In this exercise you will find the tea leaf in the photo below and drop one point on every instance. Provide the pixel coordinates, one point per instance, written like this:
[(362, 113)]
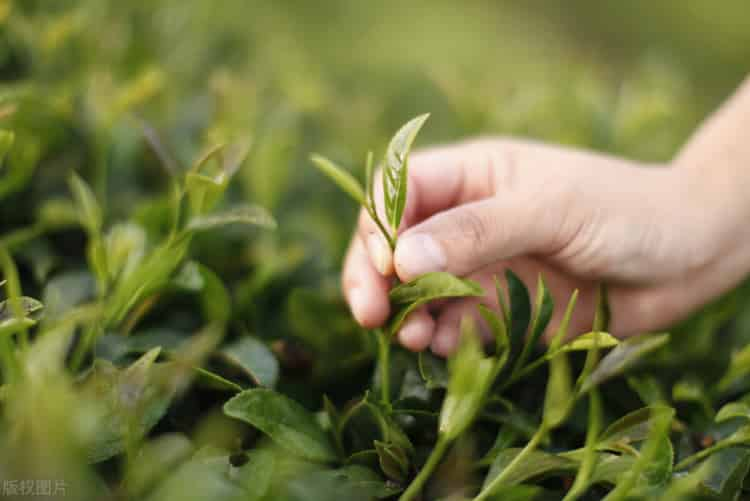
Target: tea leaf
[(471, 375), (352, 482), (255, 359), (499, 330), (393, 460), (433, 370), (437, 285), (585, 342), (631, 428), (543, 306), (89, 212), (342, 178), (559, 397), (285, 421), (246, 214), (623, 356), (520, 308), (733, 410), (534, 465), (395, 170), (133, 401), (6, 143)]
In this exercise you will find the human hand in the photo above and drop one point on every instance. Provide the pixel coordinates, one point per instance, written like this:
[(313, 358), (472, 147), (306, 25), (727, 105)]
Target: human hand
[(663, 237)]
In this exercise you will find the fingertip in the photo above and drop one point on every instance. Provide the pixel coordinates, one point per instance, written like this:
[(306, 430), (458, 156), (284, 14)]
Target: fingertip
[(369, 308), (380, 254), (417, 254), (417, 331)]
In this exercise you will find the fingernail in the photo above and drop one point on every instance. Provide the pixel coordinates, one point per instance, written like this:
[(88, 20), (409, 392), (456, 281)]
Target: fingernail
[(419, 254), (380, 254), (358, 303)]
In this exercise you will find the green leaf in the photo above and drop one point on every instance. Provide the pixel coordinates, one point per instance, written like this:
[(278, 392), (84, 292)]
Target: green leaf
[(632, 428), (520, 308), (585, 342), (132, 401), (471, 375), (353, 482), (431, 286), (245, 214), (395, 170), (254, 358), (559, 398), (156, 459), (733, 410), (723, 473), (256, 475), (654, 465), (433, 370), (28, 307), (534, 465), (285, 421), (6, 143), (623, 356), (498, 328), (342, 178), (543, 306), (89, 212), (393, 460)]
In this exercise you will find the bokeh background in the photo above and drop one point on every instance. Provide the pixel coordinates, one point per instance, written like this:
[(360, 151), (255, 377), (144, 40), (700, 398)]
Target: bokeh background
[(126, 91)]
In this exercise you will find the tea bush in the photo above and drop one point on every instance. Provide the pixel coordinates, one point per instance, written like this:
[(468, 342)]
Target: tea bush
[(171, 325)]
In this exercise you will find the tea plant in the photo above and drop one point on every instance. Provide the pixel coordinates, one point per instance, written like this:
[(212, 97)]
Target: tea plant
[(516, 330)]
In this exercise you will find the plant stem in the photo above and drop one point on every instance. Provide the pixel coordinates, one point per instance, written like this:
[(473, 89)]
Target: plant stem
[(384, 355), (500, 479), (424, 474), (391, 240), (702, 454)]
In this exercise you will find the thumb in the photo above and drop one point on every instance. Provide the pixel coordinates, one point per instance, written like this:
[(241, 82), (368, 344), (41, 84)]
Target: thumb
[(468, 237)]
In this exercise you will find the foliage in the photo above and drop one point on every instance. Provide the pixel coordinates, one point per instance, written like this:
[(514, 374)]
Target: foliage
[(163, 336)]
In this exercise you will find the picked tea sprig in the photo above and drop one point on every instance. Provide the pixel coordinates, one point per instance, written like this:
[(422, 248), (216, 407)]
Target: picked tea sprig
[(395, 178), (395, 175)]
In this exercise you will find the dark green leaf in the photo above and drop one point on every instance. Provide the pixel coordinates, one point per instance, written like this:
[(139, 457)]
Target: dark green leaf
[(132, 401), (534, 465), (624, 356), (393, 460), (433, 370), (520, 308), (352, 482), (631, 428), (543, 306), (285, 421), (253, 357)]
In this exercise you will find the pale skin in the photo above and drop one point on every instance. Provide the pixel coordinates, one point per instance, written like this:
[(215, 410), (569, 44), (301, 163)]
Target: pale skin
[(666, 238)]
